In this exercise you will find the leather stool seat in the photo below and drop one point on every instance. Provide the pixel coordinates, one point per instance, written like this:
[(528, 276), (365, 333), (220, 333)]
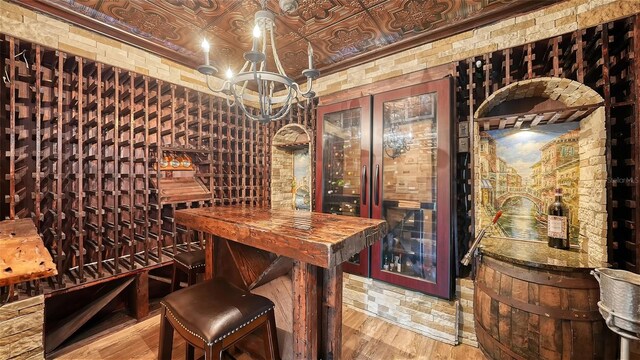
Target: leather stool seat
[(190, 259), (191, 263), (213, 315), (214, 309)]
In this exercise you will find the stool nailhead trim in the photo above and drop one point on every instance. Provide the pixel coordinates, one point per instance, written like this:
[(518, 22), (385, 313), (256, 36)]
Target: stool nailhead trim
[(189, 267), (223, 336)]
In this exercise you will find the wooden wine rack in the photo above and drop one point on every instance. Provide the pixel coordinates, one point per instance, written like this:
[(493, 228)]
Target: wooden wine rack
[(80, 144), (603, 57)]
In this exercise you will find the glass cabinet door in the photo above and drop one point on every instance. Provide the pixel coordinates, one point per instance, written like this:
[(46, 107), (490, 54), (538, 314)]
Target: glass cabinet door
[(411, 186), (344, 132)]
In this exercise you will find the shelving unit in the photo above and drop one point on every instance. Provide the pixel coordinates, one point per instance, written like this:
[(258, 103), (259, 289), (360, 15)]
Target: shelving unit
[(83, 141)]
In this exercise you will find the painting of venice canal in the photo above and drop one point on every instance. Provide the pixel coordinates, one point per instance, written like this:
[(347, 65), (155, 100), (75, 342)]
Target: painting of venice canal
[(519, 171)]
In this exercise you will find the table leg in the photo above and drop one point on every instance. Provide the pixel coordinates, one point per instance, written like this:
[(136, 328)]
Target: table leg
[(332, 314), (209, 248), (305, 311)]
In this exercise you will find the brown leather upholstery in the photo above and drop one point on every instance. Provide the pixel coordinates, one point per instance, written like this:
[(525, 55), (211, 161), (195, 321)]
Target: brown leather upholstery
[(214, 309), (191, 259)]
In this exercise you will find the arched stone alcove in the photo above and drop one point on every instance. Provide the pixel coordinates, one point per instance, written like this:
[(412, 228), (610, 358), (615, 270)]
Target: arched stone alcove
[(291, 173), (537, 102)]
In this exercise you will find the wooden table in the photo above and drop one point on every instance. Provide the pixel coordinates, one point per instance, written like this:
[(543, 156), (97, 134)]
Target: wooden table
[(318, 244), (23, 256)]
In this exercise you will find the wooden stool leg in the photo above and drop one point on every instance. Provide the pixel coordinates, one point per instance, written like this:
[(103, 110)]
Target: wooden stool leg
[(192, 277), (175, 279), (190, 351), (213, 352), (165, 347), (271, 349)]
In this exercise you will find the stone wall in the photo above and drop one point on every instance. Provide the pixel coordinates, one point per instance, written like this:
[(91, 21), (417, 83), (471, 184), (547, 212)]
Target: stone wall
[(21, 329), (281, 178), (592, 191), (282, 164), (443, 320)]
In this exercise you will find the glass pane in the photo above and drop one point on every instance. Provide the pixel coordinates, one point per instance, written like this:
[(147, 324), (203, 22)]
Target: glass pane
[(341, 161), (409, 186)]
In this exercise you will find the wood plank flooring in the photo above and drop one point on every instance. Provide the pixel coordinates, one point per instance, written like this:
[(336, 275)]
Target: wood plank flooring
[(364, 338)]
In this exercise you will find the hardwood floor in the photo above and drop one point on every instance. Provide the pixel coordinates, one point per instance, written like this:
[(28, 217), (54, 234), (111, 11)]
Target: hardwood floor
[(364, 338)]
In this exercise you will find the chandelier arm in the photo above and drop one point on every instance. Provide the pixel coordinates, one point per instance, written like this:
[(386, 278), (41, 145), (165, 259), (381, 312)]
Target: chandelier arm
[(244, 108), (264, 49), (276, 58), (244, 67), (208, 80), (285, 108), (229, 105), (309, 88)]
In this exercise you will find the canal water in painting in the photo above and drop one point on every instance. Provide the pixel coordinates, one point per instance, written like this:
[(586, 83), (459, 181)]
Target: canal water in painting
[(519, 172), (520, 220)]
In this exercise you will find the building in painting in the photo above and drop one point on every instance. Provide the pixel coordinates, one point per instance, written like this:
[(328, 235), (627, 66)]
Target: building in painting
[(536, 178), (556, 153), (488, 168), (514, 180), (501, 176), (567, 176)]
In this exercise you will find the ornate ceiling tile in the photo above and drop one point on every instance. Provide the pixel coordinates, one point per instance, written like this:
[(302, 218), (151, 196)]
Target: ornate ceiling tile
[(147, 22), (316, 15), (347, 39), (341, 32), (419, 15)]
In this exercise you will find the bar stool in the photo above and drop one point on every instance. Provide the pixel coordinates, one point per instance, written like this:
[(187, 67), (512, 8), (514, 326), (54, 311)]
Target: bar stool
[(213, 315), (190, 263)]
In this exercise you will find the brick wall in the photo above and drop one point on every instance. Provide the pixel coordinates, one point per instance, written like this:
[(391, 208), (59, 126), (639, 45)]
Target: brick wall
[(21, 329)]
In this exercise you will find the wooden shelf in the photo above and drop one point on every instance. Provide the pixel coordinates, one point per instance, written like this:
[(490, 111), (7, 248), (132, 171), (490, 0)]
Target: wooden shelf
[(182, 189), (293, 146), (554, 116)]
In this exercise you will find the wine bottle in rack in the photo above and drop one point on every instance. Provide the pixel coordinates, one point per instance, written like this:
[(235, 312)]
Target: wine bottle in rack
[(558, 223)]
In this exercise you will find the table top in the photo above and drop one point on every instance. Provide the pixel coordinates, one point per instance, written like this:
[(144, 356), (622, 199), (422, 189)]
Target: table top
[(537, 254), (319, 239), (23, 256)]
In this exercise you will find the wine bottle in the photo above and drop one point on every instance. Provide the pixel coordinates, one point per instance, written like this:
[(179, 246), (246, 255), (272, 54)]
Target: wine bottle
[(558, 223)]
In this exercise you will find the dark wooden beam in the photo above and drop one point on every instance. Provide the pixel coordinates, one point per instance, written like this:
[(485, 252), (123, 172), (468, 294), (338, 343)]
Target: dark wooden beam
[(305, 340), (139, 296), (332, 313), (72, 323)]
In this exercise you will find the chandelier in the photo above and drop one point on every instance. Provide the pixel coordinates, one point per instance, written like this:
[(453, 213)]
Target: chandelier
[(396, 144), (255, 75)]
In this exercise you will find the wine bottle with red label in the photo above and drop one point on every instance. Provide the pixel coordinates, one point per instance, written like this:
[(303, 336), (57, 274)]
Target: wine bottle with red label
[(558, 223)]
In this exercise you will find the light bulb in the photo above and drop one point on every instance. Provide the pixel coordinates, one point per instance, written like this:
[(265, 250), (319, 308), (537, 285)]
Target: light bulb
[(229, 73), (205, 45), (256, 31)]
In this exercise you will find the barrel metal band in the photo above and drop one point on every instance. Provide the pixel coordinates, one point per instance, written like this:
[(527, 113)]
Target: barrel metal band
[(541, 278), (574, 315)]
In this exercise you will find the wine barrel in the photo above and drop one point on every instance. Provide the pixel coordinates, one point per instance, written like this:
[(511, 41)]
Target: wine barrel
[(525, 312)]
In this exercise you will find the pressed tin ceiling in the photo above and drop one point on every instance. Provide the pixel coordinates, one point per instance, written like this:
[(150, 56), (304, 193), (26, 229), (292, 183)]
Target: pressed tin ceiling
[(342, 32)]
